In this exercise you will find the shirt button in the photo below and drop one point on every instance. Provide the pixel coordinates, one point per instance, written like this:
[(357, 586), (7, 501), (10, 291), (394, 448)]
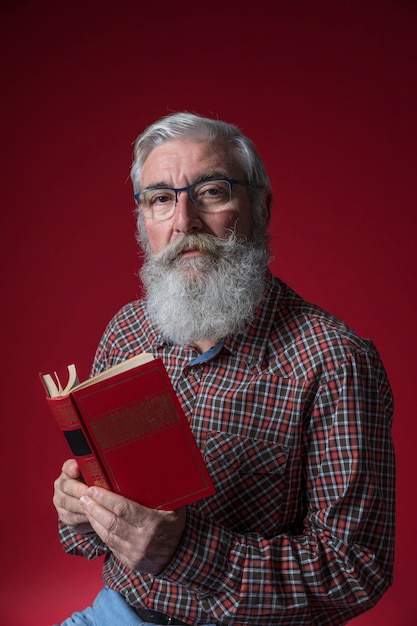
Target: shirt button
[(194, 371)]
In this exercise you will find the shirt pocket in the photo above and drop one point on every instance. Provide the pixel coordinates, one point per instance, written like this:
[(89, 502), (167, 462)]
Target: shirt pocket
[(249, 475)]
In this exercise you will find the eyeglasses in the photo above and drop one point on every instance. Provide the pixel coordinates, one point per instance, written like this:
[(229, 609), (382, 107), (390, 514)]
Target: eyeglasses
[(208, 196)]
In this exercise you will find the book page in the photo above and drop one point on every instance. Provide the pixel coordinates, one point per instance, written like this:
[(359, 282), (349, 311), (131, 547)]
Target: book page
[(55, 389)]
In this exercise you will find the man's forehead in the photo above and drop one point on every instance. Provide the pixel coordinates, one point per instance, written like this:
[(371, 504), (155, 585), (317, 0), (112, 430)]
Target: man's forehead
[(187, 157)]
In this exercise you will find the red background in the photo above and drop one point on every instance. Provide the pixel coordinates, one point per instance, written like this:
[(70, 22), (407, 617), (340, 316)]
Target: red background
[(328, 92)]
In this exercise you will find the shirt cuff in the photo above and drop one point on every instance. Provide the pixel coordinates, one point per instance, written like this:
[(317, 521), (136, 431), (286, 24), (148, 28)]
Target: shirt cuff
[(206, 560)]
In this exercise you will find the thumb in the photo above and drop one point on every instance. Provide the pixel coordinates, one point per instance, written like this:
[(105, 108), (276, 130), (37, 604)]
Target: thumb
[(71, 468)]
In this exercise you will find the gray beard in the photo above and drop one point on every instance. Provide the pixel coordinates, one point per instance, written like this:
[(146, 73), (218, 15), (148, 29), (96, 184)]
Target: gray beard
[(205, 297)]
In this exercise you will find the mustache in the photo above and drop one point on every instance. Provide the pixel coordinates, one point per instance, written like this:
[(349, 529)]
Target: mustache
[(205, 243)]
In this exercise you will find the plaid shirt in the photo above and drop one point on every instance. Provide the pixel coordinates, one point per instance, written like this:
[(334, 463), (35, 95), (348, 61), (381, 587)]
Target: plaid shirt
[(293, 419)]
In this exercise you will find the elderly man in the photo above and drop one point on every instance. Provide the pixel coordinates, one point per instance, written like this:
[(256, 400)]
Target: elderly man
[(289, 407)]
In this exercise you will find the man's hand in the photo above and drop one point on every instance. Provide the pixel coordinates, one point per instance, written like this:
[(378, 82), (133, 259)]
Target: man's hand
[(142, 539), (67, 494)]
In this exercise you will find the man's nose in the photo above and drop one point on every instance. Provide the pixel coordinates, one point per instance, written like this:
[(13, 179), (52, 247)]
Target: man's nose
[(186, 216)]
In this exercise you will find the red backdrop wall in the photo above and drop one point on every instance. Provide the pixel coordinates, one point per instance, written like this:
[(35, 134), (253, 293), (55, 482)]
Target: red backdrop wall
[(328, 92)]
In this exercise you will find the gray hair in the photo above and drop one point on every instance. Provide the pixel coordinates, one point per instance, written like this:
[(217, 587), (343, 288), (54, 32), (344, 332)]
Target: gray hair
[(189, 125)]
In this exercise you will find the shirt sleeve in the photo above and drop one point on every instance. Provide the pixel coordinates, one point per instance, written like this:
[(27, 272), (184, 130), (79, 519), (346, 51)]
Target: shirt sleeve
[(88, 545), (340, 562)]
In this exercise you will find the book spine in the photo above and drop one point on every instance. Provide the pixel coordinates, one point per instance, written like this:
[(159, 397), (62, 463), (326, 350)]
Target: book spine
[(68, 420)]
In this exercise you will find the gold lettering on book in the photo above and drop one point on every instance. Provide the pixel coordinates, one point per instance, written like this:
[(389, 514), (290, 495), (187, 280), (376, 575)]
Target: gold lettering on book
[(93, 474), (135, 421), (65, 415)]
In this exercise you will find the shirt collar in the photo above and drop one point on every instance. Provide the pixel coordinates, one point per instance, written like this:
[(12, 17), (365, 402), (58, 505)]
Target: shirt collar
[(209, 354), (252, 342)]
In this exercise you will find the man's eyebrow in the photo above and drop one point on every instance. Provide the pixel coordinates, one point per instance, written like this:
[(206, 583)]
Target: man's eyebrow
[(158, 185), (209, 175), (196, 179)]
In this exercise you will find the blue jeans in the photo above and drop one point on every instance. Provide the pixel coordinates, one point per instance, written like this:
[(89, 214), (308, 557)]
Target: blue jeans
[(109, 609)]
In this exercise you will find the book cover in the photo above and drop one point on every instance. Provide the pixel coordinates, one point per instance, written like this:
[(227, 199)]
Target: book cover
[(129, 434)]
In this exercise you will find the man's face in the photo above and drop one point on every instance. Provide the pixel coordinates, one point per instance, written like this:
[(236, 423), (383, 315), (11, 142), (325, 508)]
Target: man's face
[(179, 163)]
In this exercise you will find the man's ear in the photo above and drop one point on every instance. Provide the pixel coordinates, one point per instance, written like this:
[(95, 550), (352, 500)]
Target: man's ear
[(267, 208)]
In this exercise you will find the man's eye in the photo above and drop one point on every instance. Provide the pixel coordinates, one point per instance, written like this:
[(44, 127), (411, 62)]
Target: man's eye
[(209, 191), (160, 198)]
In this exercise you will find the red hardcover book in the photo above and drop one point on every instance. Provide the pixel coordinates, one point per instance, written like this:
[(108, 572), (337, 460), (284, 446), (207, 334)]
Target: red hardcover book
[(129, 434)]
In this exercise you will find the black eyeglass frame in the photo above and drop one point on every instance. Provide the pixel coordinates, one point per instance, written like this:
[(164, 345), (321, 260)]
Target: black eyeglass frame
[(231, 181)]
